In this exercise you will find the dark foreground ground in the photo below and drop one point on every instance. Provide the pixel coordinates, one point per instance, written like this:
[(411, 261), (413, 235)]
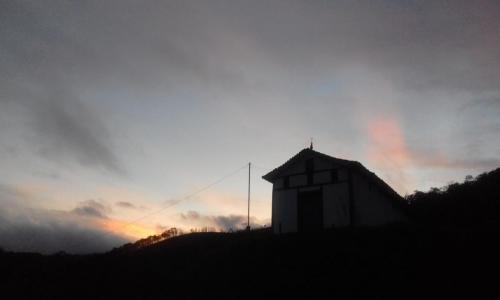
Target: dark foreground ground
[(391, 262)]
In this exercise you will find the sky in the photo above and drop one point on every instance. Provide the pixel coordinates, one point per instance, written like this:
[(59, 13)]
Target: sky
[(112, 113)]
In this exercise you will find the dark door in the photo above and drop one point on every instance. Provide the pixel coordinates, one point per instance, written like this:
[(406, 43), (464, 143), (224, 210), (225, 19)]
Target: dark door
[(310, 211)]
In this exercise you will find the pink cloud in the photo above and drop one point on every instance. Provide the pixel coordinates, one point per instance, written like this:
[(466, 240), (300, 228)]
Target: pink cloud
[(389, 153), (387, 143)]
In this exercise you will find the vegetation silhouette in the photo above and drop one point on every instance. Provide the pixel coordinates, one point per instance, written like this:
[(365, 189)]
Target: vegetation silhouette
[(148, 241), (450, 250), (473, 202)]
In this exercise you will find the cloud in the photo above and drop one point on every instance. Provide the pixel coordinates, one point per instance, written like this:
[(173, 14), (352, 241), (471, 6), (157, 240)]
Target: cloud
[(92, 208), (389, 148), (258, 60), (58, 126), (129, 200), (230, 222), (436, 161), (387, 142), (130, 205), (129, 230), (232, 80), (49, 231), (389, 151), (416, 44), (219, 202), (125, 204), (69, 128)]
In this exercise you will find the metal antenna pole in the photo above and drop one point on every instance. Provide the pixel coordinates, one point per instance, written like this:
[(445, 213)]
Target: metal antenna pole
[(248, 211)]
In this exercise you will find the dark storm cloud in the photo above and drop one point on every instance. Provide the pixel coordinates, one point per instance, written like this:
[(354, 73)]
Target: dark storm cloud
[(48, 231)]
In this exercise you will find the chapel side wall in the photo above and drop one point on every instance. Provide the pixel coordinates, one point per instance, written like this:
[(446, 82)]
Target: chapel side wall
[(372, 206)]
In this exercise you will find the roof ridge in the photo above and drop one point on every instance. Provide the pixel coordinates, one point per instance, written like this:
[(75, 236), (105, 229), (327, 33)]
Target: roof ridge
[(272, 173), (348, 163)]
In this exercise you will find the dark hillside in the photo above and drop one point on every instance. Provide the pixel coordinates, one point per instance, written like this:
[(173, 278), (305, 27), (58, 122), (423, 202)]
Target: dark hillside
[(475, 201), (369, 263)]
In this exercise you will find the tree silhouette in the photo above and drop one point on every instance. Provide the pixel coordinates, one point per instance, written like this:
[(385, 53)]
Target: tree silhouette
[(475, 201)]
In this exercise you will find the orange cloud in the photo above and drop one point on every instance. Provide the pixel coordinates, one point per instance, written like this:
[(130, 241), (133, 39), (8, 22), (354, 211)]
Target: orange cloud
[(122, 228)]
